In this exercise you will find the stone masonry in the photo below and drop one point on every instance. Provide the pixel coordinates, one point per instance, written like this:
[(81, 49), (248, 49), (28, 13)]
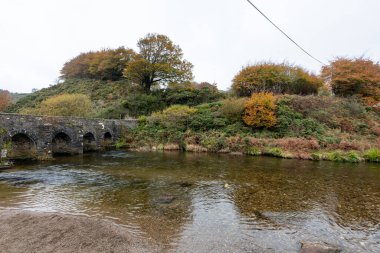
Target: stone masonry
[(40, 137)]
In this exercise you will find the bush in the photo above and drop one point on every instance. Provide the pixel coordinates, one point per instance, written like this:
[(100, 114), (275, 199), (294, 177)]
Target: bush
[(233, 108), (260, 110), (107, 64), (115, 111), (353, 157), (335, 156), (174, 117), (64, 105), (276, 78), (207, 117), (254, 151), (354, 77), (213, 141), (275, 152), (292, 123), (191, 94), (143, 104)]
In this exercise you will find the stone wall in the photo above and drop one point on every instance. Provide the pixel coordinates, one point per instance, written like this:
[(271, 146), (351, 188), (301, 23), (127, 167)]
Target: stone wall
[(45, 135)]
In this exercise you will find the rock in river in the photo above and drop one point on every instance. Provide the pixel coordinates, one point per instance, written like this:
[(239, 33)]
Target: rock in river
[(318, 247)]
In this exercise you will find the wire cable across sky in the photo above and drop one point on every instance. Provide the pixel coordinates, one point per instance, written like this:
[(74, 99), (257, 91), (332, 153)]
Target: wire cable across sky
[(287, 36)]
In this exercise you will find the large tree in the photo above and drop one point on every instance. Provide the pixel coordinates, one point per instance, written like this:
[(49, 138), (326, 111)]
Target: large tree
[(159, 62), (5, 99), (354, 77), (275, 78)]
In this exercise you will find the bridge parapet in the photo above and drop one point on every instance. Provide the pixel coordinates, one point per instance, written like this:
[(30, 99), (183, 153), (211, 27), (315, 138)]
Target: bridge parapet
[(39, 137)]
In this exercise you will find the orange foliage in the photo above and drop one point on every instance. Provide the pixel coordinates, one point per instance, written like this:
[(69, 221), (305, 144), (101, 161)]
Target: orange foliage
[(276, 78), (107, 64), (5, 99), (260, 110), (354, 77)]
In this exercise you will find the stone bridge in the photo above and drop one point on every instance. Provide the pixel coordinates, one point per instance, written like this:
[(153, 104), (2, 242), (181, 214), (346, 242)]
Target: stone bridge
[(42, 137)]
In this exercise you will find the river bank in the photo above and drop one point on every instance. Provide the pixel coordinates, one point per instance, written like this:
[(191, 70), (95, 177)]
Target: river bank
[(311, 127), (23, 231), (288, 148)]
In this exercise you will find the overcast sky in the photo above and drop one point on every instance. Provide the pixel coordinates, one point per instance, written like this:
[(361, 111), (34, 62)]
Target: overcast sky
[(218, 36)]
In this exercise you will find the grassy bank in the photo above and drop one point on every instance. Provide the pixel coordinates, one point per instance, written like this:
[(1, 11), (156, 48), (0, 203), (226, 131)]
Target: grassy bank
[(305, 127)]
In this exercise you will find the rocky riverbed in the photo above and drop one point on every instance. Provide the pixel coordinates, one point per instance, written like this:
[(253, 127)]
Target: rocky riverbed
[(23, 231)]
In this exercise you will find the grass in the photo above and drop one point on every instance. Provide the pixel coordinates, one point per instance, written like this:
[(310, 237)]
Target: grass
[(372, 155)]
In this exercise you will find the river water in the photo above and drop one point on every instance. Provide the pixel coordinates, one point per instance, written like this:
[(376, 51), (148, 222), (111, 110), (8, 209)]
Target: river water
[(209, 203)]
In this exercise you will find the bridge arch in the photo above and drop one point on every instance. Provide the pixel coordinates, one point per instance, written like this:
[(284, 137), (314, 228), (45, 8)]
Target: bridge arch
[(89, 142), (61, 143), (107, 139), (23, 146)]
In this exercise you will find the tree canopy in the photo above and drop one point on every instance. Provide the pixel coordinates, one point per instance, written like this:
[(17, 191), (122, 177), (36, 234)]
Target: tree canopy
[(5, 99), (106, 64), (354, 77), (159, 62), (275, 78)]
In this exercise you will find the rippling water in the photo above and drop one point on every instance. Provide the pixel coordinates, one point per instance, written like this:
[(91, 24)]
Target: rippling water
[(209, 203)]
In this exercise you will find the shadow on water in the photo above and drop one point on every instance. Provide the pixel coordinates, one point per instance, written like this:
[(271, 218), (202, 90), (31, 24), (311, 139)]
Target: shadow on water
[(209, 203)]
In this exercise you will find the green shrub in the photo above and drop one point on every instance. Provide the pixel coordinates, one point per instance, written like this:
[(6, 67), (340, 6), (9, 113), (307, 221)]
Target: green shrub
[(207, 117), (191, 94), (353, 157), (233, 109), (175, 117), (142, 120), (114, 111), (317, 156), (275, 152), (213, 141), (372, 155), (335, 156), (292, 123), (121, 143), (254, 151), (236, 128), (143, 104)]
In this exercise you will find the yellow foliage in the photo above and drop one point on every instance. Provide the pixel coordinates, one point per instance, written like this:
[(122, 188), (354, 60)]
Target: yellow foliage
[(174, 116), (64, 105), (260, 110)]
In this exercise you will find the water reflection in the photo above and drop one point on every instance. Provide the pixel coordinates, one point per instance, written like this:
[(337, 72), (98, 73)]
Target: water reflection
[(209, 203)]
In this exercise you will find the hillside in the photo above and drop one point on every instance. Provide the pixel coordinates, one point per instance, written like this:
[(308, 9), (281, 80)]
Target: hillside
[(15, 97), (105, 95)]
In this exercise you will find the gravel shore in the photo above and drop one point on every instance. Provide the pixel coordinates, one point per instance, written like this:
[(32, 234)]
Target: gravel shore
[(22, 231)]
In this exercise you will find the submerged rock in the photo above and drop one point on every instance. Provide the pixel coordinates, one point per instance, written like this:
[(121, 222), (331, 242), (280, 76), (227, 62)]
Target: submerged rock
[(185, 184), (318, 247), (165, 199)]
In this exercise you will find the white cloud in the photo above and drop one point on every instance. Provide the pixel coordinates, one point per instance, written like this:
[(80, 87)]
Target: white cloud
[(217, 36)]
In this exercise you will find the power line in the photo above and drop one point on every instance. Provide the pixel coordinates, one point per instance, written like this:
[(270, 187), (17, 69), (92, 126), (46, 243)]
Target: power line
[(278, 28)]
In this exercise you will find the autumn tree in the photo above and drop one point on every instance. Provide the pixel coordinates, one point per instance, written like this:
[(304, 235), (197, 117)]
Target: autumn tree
[(275, 78), (107, 64), (5, 99), (354, 77), (260, 110), (159, 62), (63, 105)]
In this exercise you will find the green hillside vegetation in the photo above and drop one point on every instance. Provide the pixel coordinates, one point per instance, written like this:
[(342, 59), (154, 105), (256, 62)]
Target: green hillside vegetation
[(272, 109), (306, 127), (15, 97), (103, 94)]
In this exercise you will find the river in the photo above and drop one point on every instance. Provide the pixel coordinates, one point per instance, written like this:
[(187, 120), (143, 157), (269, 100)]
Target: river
[(209, 202)]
